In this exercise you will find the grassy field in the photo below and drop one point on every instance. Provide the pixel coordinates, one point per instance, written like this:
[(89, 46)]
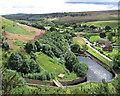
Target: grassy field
[(17, 30), (53, 65), (112, 23)]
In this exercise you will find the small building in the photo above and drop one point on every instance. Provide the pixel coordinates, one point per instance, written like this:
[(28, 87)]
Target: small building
[(61, 76), (105, 44)]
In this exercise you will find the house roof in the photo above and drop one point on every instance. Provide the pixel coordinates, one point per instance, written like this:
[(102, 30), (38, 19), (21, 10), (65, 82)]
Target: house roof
[(103, 41)]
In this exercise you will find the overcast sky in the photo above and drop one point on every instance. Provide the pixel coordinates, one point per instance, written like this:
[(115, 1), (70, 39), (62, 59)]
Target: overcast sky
[(50, 6)]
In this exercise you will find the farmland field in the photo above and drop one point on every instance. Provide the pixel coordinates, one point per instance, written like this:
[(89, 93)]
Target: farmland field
[(112, 23)]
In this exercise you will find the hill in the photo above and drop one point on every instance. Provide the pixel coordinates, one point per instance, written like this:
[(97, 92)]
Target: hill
[(69, 16)]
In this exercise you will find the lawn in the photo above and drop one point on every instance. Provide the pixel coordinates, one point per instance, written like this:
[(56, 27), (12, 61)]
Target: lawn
[(94, 38), (79, 41), (18, 30), (112, 23), (52, 65)]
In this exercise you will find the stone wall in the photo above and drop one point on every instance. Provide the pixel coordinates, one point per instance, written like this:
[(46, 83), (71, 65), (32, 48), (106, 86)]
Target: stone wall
[(103, 63), (50, 83)]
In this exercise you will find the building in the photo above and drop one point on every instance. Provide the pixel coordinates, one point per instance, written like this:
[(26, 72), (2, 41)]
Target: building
[(105, 44), (61, 76)]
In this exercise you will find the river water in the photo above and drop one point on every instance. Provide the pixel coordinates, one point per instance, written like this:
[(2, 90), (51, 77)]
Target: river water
[(95, 71)]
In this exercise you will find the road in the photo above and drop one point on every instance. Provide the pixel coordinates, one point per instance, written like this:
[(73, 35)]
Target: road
[(89, 45)]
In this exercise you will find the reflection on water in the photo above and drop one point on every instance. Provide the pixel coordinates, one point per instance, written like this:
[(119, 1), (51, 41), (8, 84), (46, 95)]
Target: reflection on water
[(95, 71)]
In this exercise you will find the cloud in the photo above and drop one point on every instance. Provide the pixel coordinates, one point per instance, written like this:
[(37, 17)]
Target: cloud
[(47, 6), (92, 1)]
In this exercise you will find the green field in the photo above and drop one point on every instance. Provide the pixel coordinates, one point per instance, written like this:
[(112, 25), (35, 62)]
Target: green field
[(112, 23), (53, 65), (17, 30), (94, 38)]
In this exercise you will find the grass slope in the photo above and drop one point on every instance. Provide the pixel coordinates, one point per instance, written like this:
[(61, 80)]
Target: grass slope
[(17, 30), (52, 65)]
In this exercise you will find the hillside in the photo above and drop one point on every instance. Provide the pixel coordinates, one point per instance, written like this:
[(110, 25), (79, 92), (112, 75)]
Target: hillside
[(69, 16), (16, 33)]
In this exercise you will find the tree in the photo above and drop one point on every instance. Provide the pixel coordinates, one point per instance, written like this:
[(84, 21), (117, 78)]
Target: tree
[(116, 61), (80, 69), (75, 48), (53, 29), (102, 35), (70, 60), (30, 47), (15, 62), (6, 46), (107, 28), (93, 27), (34, 67), (109, 36), (33, 56), (12, 81), (38, 45)]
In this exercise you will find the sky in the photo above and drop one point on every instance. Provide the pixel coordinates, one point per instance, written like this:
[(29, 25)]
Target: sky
[(53, 6)]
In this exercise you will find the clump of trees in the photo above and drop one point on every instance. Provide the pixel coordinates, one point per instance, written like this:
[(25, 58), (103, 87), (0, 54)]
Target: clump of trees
[(39, 26), (76, 48)]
